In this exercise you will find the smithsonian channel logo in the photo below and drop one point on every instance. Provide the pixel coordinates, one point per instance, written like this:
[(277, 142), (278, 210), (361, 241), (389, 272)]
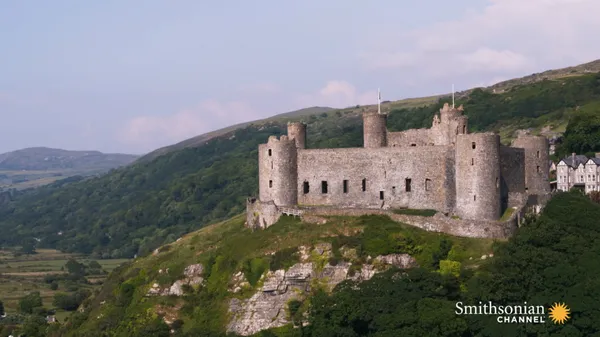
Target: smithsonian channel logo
[(558, 313)]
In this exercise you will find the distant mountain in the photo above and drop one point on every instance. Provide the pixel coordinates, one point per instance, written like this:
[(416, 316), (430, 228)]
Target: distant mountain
[(43, 158), (37, 166)]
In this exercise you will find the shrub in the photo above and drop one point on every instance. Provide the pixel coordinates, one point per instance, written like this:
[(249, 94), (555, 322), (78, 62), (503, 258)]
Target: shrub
[(253, 269), (284, 259)]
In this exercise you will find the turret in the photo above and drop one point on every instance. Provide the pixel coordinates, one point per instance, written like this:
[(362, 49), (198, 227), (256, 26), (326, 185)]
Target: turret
[(478, 176), (374, 129), (536, 162), (297, 131), (278, 171)]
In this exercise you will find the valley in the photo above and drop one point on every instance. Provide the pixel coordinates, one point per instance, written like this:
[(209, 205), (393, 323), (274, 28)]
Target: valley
[(21, 274)]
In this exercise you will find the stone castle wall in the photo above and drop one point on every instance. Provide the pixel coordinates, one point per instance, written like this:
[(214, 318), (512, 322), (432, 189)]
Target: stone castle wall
[(536, 163), (278, 171), (414, 137), (261, 215), (413, 177), (437, 223), (512, 167), (478, 176)]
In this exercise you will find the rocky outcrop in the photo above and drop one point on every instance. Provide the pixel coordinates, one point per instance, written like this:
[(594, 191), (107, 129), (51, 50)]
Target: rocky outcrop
[(402, 261), (192, 276), (267, 308)]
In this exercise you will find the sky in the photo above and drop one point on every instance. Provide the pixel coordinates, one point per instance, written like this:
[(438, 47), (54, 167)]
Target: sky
[(133, 76)]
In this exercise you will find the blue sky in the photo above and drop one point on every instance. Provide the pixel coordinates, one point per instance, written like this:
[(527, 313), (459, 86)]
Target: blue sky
[(132, 76)]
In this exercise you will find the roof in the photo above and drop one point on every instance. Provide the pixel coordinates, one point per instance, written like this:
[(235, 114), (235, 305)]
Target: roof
[(595, 160), (579, 159)]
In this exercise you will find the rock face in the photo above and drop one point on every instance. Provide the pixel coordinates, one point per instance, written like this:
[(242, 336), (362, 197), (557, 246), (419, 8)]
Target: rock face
[(192, 276), (268, 307), (401, 261)]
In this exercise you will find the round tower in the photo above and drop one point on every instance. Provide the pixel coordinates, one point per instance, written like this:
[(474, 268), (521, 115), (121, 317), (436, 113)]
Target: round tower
[(536, 162), (478, 176), (297, 131), (278, 171), (462, 125), (374, 129)]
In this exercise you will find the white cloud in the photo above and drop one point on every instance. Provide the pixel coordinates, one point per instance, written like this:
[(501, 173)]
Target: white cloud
[(507, 38), (149, 132)]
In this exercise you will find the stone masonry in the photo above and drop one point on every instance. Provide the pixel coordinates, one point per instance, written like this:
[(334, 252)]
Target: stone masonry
[(445, 168)]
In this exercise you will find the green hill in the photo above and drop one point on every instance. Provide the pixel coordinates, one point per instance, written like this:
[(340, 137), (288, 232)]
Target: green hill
[(233, 271), (202, 139), (134, 209)]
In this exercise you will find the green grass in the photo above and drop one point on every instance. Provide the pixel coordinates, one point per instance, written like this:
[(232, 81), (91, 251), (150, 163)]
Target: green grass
[(417, 212), (507, 214), (24, 274), (229, 247)]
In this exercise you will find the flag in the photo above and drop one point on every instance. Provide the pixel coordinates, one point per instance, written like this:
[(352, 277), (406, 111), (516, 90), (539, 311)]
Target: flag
[(379, 95)]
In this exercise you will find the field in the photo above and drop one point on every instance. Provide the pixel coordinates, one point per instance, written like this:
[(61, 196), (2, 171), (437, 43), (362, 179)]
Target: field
[(20, 275)]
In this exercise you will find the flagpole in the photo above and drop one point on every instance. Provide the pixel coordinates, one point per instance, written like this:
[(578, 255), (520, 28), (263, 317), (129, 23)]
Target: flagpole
[(378, 101), (452, 96)]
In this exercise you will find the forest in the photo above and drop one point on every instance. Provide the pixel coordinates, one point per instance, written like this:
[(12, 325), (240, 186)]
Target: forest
[(133, 210)]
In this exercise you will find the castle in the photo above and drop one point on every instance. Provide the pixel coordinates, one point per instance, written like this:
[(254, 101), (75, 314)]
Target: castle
[(445, 168)]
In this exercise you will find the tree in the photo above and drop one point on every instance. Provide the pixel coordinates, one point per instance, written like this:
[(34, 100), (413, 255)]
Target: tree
[(75, 268), (34, 326), (28, 246), (70, 302), (28, 303), (94, 265)]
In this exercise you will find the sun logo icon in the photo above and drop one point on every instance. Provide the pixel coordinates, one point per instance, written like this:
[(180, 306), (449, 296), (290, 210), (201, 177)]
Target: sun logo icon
[(559, 313)]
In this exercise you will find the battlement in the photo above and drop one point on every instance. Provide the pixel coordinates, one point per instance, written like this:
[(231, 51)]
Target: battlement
[(374, 112), (281, 140)]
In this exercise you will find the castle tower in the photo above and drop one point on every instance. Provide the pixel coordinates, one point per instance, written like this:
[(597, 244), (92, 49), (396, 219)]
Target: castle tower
[(478, 176), (462, 122), (450, 123), (536, 162), (278, 171), (374, 129), (297, 131)]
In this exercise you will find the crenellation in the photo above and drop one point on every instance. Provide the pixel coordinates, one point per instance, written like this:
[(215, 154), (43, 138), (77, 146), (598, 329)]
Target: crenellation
[(445, 168)]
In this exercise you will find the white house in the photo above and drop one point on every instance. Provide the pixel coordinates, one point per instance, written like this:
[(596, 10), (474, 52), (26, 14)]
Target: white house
[(580, 172)]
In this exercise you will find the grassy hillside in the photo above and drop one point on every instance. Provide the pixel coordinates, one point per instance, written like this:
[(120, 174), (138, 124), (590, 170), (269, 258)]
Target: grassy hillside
[(227, 247), (135, 209), (550, 259), (202, 139), (38, 166)]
